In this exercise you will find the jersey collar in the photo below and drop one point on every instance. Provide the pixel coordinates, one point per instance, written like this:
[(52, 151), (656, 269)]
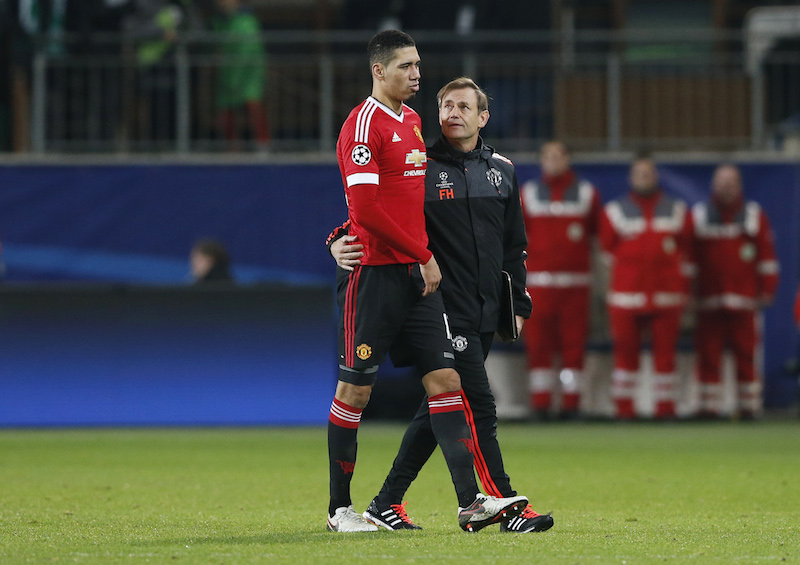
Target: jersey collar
[(389, 111)]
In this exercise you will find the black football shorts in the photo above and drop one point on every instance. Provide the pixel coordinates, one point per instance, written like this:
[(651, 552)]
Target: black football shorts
[(382, 310)]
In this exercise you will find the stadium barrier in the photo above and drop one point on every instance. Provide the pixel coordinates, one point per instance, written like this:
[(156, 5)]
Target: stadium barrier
[(112, 355), (597, 90), (131, 226)]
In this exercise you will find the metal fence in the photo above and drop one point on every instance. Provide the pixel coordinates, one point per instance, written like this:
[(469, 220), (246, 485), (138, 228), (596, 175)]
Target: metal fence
[(598, 91)]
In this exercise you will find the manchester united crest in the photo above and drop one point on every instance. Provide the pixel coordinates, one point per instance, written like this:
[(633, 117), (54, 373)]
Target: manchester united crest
[(363, 351), (495, 177), (460, 343)]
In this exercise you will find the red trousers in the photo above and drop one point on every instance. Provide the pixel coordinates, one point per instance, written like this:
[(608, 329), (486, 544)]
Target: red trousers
[(627, 328), (736, 330), (233, 130), (558, 325)]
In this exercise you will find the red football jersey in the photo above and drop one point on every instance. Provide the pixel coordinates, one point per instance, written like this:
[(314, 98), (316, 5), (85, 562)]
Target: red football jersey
[(379, 148)]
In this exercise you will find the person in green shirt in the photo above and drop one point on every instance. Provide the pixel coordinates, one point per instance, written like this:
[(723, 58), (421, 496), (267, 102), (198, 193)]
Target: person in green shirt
[(241, 76)]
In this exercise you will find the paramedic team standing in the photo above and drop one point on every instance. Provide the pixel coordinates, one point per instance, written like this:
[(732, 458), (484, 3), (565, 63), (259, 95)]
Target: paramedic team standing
[(661, 252)]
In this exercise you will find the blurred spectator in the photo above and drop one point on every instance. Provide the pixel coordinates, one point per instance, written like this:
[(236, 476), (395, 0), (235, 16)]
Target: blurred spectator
[(155, 26), (648, 236), (242, 74), (210, 262), (737, 275), (30, 26), (562, 213)]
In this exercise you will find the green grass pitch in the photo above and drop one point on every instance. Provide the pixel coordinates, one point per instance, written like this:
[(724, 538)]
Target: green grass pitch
[(627, 494)]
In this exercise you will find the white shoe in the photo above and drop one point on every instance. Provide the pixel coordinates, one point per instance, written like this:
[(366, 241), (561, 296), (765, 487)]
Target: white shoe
[(345, 519), (487, 510)]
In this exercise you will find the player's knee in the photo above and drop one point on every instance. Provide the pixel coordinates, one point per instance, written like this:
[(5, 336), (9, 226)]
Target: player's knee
[(441, 381), (353, 395)]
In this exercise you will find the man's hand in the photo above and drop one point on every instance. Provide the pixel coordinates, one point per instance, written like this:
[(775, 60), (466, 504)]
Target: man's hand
[(520, 323), (346, 253), (431, 275)]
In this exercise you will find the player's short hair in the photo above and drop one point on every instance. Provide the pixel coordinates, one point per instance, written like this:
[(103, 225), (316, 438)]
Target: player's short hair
[(460, 83), (382, 46)]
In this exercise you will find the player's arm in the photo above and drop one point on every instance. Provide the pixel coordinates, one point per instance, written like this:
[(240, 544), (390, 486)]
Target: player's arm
[(515, 243), (372, 217)]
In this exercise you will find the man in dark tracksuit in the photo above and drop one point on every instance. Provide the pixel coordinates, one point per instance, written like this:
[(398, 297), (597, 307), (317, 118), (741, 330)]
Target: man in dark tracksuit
[(476, 230)]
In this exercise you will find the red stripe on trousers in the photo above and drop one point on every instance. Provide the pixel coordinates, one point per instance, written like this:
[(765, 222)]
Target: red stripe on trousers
[(350, 316), (480, 461)]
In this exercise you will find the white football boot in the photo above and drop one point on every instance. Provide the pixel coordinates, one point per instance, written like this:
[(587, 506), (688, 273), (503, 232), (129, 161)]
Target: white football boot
[(345, 519)]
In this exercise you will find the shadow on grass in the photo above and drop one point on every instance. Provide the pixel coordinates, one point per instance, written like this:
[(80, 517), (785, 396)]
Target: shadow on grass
[(284, 538)]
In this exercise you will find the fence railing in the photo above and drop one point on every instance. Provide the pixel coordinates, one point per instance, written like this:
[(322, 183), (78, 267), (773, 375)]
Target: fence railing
[(596, 90)]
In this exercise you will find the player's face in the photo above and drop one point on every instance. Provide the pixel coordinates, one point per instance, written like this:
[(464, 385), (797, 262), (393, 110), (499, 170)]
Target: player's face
[(459, 116), (401, 75), (727, 184), (554, 159), (643, 176)]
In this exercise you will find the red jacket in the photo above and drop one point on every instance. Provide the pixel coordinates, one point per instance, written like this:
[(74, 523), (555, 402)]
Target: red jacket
[(561, 216), (735, 254), (649, 239)]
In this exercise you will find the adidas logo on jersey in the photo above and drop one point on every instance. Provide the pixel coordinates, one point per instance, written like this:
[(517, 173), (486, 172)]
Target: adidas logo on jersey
[(396, 138)]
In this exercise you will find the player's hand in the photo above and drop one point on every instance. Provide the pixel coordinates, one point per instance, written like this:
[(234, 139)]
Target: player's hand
[(431, 275), (520, 323), (346, 253)]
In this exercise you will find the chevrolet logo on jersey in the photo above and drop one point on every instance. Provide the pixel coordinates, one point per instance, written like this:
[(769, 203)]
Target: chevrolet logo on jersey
[(416, 158)]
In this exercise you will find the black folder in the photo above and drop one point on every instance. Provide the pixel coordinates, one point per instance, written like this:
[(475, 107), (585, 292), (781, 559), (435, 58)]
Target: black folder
[(507, 322)]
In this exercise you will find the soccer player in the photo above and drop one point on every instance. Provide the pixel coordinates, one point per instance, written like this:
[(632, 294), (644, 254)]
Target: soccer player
[(474, 222), (389, 304)]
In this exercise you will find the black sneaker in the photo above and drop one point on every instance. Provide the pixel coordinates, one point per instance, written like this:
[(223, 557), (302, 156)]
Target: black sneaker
[(488, 510), (528, 521), (392, 517)]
